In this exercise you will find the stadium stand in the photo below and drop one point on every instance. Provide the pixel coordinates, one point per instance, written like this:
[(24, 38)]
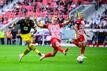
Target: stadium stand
[(46, 9)]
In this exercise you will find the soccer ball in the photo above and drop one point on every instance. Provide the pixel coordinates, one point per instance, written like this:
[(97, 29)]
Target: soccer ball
[(80, 59)]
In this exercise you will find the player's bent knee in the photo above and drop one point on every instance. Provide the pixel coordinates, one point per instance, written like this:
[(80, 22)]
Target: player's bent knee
[(28, 42), (53, 54)]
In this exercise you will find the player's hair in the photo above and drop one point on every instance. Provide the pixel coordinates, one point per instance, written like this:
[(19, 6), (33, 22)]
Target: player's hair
[(54, 17)]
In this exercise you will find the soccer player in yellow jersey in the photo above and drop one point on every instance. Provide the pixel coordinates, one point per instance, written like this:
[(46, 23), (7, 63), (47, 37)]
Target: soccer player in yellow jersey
[(25, 25)]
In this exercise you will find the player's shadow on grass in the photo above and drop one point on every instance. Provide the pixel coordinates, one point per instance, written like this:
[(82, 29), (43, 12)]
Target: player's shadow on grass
[(46, 62)]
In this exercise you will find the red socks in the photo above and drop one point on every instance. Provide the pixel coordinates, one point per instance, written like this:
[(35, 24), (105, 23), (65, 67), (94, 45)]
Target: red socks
[(82, 50), (60, 49)]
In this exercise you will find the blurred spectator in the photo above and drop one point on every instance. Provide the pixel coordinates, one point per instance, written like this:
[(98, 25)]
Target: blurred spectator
[(38, 39), (14, 35), (105, 12), (105, 41), (95, 39), (61, 19), (2, 36), (4, 2), (8, 35), (19, 42), (1, 23), (47, 19), (47, 41)]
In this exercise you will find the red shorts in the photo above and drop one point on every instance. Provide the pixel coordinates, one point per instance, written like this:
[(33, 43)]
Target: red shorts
[(53, 42), (80, 38)]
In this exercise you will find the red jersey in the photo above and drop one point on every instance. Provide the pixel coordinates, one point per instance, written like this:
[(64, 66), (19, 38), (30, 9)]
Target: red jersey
[(80, 26), (54, 30), (80, 30)]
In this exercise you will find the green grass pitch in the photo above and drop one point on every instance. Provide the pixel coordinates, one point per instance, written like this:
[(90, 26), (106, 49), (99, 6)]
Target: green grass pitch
[(96, 60)]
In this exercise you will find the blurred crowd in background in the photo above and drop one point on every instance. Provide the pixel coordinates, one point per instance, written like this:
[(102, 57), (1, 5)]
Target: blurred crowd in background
[(45, 9)]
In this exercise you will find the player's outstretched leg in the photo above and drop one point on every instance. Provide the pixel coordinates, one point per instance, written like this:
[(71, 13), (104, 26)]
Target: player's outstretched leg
[(50, 54), (27, 50), (35, 50), (20, 57), (64, 51), (83, 45), (81, 56)]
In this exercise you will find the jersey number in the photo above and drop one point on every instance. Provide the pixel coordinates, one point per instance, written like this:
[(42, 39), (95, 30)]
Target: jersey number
[(25, 28)]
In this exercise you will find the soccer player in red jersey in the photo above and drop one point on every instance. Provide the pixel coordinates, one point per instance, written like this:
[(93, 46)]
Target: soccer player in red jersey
[(80, 40), (54, 29)]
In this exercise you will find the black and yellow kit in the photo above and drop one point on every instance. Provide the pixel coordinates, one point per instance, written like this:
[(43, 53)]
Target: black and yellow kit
[(25, 28)]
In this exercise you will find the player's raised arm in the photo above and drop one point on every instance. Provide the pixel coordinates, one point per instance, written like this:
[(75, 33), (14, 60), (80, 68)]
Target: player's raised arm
[(67, 21), (16, 24), (39, 24), (76, 29)]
